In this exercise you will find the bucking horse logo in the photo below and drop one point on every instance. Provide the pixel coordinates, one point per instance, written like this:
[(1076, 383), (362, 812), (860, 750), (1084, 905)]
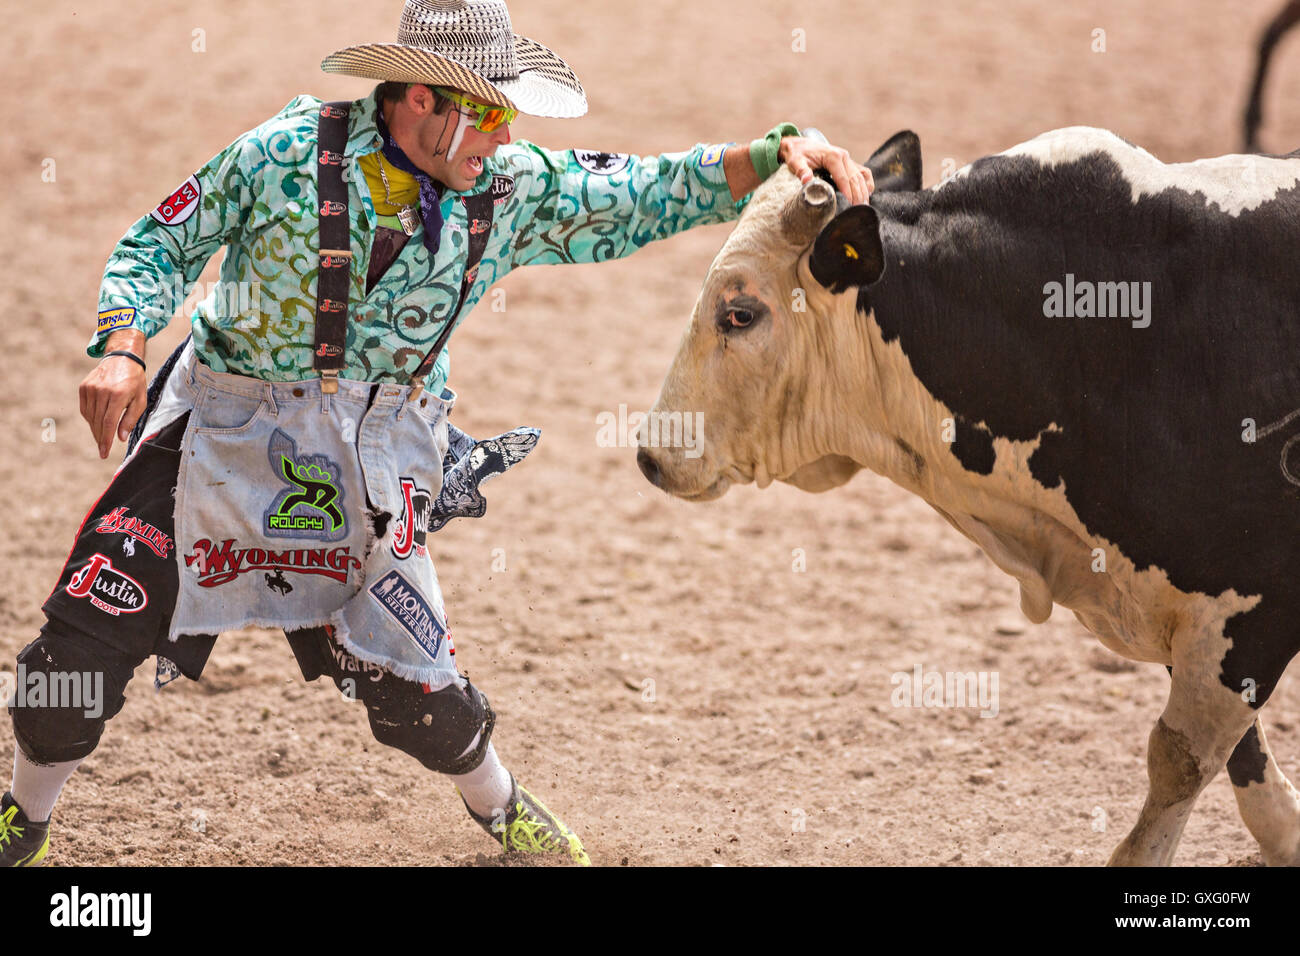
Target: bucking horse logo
[(601, 163), (278, 582)]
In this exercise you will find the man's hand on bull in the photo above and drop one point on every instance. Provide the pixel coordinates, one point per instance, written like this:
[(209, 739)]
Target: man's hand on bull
[(113, 396), (804, 157)]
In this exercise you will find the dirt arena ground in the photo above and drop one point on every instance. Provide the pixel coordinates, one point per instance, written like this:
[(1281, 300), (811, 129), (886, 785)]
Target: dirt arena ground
[(767, 735)]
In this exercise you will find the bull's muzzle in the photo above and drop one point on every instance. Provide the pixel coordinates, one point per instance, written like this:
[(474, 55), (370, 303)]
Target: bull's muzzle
[(649, 467)]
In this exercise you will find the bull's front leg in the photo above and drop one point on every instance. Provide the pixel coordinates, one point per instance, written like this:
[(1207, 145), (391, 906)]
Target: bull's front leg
[(1201, 724)]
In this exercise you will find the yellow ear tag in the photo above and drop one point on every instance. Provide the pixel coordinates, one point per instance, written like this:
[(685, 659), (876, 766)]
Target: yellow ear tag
[(850, 251)]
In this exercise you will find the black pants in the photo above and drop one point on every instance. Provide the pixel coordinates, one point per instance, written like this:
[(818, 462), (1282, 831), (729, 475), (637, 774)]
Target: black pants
[(112, 609)]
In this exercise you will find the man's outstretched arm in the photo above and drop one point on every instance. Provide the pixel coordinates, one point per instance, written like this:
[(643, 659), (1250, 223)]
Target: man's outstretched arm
[(587, 206)]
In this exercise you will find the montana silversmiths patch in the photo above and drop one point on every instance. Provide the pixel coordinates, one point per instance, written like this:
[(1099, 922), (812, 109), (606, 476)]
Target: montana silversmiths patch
[(413, 614), (311, 506), (602, 164), (112, 319)]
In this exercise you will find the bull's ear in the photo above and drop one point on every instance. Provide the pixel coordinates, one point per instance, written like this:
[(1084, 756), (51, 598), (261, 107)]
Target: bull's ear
[(896, 166), (848, 251)]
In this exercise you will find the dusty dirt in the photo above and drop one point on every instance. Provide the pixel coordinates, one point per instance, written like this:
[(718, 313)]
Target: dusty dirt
[(771, 687)]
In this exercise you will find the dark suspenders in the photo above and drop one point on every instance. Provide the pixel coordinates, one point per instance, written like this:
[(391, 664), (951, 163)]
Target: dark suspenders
[(332, 283), (335, 246), (478, 213)]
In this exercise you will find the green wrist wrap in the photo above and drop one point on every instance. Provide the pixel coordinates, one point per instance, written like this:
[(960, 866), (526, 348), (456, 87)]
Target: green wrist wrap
[(763, 153)]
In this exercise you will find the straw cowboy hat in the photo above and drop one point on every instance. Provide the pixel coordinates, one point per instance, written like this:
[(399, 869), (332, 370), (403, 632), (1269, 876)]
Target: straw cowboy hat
[(468, 45)]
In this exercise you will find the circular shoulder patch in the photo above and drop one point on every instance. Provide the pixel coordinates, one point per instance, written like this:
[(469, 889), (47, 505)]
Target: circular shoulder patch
[(180, 205), (602, 164)]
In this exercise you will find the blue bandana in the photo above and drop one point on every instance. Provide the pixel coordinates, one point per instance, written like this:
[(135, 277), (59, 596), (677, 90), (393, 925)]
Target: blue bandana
[(430, 197)]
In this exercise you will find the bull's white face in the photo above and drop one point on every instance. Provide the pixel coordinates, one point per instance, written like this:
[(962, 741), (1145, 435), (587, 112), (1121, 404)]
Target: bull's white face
[(767, 356)]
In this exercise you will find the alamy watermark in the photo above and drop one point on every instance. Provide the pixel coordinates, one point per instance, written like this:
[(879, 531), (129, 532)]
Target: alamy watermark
[(226, 300), (651, 429), (922, 688), (82, 690), (74, 908), (1084, 299)]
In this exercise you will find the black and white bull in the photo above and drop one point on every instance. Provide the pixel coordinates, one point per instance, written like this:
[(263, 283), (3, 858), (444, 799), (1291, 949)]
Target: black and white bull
[(1088, 362)]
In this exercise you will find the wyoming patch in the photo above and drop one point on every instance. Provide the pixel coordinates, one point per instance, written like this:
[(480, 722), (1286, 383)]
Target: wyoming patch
[(180, 205)]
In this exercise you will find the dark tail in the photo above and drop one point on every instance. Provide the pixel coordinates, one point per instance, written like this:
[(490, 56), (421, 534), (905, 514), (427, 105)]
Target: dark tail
[(1286, 18)]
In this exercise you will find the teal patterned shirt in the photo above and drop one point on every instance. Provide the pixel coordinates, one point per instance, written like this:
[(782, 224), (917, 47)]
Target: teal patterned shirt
[(258, 198)]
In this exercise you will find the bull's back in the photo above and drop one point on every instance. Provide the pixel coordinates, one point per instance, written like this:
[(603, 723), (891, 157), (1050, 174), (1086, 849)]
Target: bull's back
[(1158, 426)]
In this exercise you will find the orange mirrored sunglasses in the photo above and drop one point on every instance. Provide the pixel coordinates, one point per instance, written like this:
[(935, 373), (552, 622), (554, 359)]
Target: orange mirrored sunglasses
[(490, 118)]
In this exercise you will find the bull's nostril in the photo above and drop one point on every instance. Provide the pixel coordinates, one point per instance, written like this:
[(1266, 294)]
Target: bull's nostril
[(649, 467)]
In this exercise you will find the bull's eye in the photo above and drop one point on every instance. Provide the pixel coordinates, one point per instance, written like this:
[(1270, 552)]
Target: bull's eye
[(739, 312)]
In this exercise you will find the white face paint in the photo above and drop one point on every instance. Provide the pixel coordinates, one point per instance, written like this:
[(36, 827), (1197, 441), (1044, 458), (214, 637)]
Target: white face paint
[(462, 123)]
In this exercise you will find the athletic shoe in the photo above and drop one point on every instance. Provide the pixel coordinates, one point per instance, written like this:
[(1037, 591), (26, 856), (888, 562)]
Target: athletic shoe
[(529, 827), (22, 842)]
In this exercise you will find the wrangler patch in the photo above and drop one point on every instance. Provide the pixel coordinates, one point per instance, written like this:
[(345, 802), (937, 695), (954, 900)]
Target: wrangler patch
[(112, 319)]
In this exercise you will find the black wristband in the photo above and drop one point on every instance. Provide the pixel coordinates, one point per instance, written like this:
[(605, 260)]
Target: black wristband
[(130, 355)]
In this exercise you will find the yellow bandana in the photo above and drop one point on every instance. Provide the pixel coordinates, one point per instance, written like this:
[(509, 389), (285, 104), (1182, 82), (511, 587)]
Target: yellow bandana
[(403, 188)]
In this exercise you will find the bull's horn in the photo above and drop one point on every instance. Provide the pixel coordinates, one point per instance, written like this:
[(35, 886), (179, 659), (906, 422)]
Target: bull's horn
[(807, 211)]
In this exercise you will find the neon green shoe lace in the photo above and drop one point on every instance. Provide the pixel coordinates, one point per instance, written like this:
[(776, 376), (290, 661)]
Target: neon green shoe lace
[(535, 831), (7, 829), (530, 835), (530, 827)]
